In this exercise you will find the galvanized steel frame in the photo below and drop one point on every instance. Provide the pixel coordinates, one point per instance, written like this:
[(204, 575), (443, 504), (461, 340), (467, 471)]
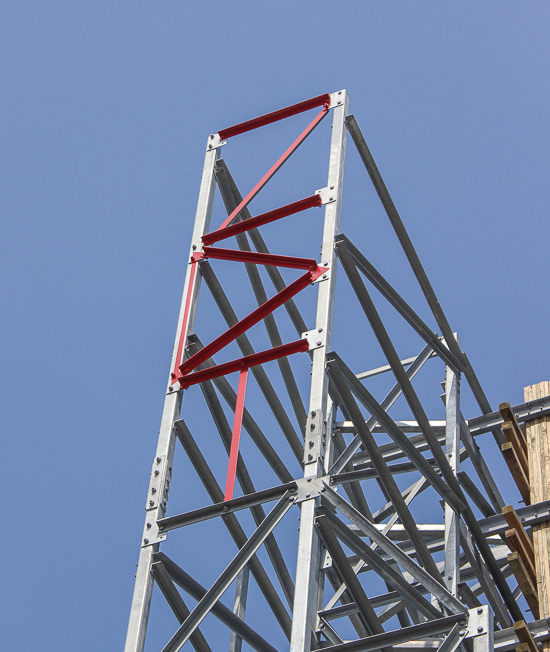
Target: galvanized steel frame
[(435, 606)]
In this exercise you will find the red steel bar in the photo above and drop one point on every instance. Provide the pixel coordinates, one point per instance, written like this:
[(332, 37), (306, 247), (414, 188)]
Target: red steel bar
[(276, 166), (253, 318), (243, 363), (274, 116), (236, 436), (181, 341), (237, 255), (264, 218)]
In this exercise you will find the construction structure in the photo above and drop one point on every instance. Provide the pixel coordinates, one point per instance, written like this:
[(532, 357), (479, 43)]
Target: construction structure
[(339, 511)]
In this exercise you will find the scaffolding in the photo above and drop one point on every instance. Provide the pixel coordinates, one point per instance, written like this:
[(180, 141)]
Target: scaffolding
[(363, 572)]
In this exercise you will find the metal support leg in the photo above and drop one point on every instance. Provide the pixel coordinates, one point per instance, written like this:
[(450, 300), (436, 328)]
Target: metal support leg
[(308, 559), (157, 500), (452, 449)]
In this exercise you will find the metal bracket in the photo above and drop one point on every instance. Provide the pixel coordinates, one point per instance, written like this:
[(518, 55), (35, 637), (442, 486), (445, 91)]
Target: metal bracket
[(310, 488), (480, 629), (315, 338), (214, 142), (338, 98), (328, 195), (324, 276), (159, 485), (315, 439)]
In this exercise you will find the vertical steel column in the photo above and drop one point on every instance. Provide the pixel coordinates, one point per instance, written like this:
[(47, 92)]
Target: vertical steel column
[(306, 595), (452, 450), (157, 494)]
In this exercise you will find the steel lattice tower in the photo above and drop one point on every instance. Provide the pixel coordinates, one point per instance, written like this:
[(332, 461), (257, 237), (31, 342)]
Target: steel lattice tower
[(362, 573)]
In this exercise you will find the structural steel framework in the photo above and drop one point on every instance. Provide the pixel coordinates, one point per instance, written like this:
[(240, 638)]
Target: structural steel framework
[(368, 576)]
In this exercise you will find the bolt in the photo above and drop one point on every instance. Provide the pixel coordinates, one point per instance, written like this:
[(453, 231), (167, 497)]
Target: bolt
[(462, 632), (309, 479), (323, 488), (480, 629), (145, 540), (308, 495), (332, 187), (339, 102), (320, 330), (157, 472), (325, 276), (159, 460), (331, 198), (480, 611), (339, 92), (449, 577), (313, 413), (523, 518), (225, 508), (319, 343), (148, 525), (194, 247), (153, 490), (325, 264), (212, 136), (170, 389), (209, 146), (151, 502), (312, 427), (310, 457), (311, 444)]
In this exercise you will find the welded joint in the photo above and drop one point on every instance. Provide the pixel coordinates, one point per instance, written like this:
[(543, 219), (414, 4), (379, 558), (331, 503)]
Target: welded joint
[(214, 141), (328, 194), (309, 488), (338, 98)]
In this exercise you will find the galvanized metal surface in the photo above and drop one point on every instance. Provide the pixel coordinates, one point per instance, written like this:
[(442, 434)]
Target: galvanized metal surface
[(364, 574)]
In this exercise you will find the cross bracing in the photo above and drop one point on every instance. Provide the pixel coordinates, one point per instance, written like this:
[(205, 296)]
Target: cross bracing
[(317, 502)]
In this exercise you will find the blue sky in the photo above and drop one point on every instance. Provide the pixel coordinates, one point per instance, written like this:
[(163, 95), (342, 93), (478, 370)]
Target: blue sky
[(104, 113)]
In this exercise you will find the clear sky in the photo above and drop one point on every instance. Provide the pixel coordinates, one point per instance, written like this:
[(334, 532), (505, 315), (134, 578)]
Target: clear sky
[(105, 108)]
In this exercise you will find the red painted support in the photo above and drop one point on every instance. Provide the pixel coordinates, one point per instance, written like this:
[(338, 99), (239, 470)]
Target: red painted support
[(264, 218), (275, 116), (243, 363), (236, 436), (239, 256), (185, 321), (276, 166), (253, 318)]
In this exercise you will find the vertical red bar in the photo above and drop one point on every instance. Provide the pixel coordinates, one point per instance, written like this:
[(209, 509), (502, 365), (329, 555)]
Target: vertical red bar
[(236, 436), (190, 289)]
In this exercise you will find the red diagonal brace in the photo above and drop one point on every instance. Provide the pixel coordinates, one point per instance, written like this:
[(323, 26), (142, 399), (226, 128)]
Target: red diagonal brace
[(243, 363), (236, 436), (253, 318), (267, 176), (260, 259), (274, 116), (264, 218)]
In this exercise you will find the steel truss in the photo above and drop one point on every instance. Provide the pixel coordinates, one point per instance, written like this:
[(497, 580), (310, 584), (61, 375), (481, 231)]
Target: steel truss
[(444, 584)]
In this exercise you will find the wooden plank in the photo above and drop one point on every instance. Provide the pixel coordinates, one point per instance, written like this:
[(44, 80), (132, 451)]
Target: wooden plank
[(538, 443), (525, 638), (512, 437), (508, 415), (527, 586), (511, 459), (515, 543), (515, 523)]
